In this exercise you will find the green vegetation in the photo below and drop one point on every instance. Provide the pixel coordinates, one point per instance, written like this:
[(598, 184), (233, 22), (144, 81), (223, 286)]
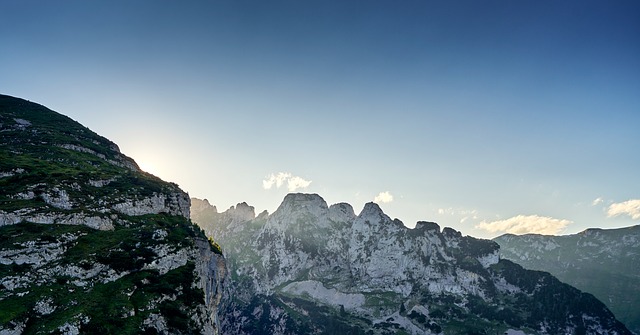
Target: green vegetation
[(99, 281), (47, 151), (215, 247), (113, 307)]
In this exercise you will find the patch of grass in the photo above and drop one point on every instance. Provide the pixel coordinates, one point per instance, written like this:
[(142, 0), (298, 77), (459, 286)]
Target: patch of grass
[(117, 307), (382, 299), (13, 235)]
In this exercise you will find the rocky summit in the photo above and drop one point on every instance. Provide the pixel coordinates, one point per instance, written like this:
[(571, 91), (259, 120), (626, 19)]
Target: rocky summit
[(603, 262), (310, 268), (91, 244)]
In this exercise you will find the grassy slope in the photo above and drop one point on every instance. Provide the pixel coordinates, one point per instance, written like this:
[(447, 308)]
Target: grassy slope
[(52, 151)]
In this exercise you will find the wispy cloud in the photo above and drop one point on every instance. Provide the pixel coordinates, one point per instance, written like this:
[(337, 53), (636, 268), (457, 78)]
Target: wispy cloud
[(524, 224), (383, 197), (463, 214), (274, 179), (278, 180), (629, 207), (448, 211), (597, 201)]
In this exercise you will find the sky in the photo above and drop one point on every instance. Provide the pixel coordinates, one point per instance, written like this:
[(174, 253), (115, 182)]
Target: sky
[(484, 116)]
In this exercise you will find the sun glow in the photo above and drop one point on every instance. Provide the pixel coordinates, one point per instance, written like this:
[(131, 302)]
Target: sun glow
[(149, 166)]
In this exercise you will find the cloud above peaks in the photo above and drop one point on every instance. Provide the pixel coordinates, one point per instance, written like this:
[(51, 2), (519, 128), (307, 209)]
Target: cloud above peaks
[(525, 224), (629, 207), (295, 183), (280, 179), (597, 201), (383, 197), (274, 179)]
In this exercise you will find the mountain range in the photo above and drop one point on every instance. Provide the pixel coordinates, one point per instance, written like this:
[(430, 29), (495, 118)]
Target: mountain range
[(91, 244), (312, 268), (603, 262)]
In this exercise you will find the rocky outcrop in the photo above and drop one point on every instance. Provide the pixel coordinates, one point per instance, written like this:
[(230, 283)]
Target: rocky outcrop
[(175, 204), (314, 268)]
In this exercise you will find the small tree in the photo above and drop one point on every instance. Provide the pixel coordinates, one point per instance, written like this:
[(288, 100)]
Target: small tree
[(215, 247)]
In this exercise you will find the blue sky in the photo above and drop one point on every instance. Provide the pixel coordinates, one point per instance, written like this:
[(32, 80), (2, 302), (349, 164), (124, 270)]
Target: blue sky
[(485, 116)]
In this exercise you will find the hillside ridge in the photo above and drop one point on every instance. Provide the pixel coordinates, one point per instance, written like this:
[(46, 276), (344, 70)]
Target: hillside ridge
[(603, 262), (89, 243)]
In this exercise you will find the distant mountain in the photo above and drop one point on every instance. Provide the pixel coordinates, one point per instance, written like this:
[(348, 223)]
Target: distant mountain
[(91, 244), (313, 269), (605, 263)]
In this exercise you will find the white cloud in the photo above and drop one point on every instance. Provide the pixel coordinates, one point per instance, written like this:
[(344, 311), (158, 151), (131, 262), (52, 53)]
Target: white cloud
[(524, 224), (629, 207), (383, 197), (597, 201), (293, 182), (275, 179)]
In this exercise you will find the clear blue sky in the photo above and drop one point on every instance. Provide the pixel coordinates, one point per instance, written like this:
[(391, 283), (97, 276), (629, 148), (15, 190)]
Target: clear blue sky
[(485, 116)]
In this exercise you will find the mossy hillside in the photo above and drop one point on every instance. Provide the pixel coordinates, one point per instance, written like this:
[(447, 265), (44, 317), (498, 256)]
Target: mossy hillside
[(43, 152), (55, 276), (117, 306), (49, 128)]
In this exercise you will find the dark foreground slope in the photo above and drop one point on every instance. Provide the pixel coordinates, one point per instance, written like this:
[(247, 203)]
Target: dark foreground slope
[(310, 268), (603, 262), (91, 244)]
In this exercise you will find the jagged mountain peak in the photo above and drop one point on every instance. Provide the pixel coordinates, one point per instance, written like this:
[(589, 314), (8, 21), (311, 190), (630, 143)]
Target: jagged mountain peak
[(307, 264), (450, 232), (241, 212), (427, 226), (372, 214), (301, 201), (202, 205), (341, 212), (263, 215), (299, 210)]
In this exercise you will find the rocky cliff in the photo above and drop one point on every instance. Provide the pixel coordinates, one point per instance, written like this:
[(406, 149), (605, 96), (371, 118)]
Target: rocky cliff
[(603, 262), (89, 243), (313, 268)]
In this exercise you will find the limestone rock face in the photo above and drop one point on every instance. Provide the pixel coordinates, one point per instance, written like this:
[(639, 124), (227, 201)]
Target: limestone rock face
[(313, 268), (174, 204), (90, 244)]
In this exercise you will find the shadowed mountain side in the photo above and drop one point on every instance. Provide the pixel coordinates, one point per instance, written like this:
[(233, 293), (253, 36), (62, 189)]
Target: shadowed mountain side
[(603, 262)]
